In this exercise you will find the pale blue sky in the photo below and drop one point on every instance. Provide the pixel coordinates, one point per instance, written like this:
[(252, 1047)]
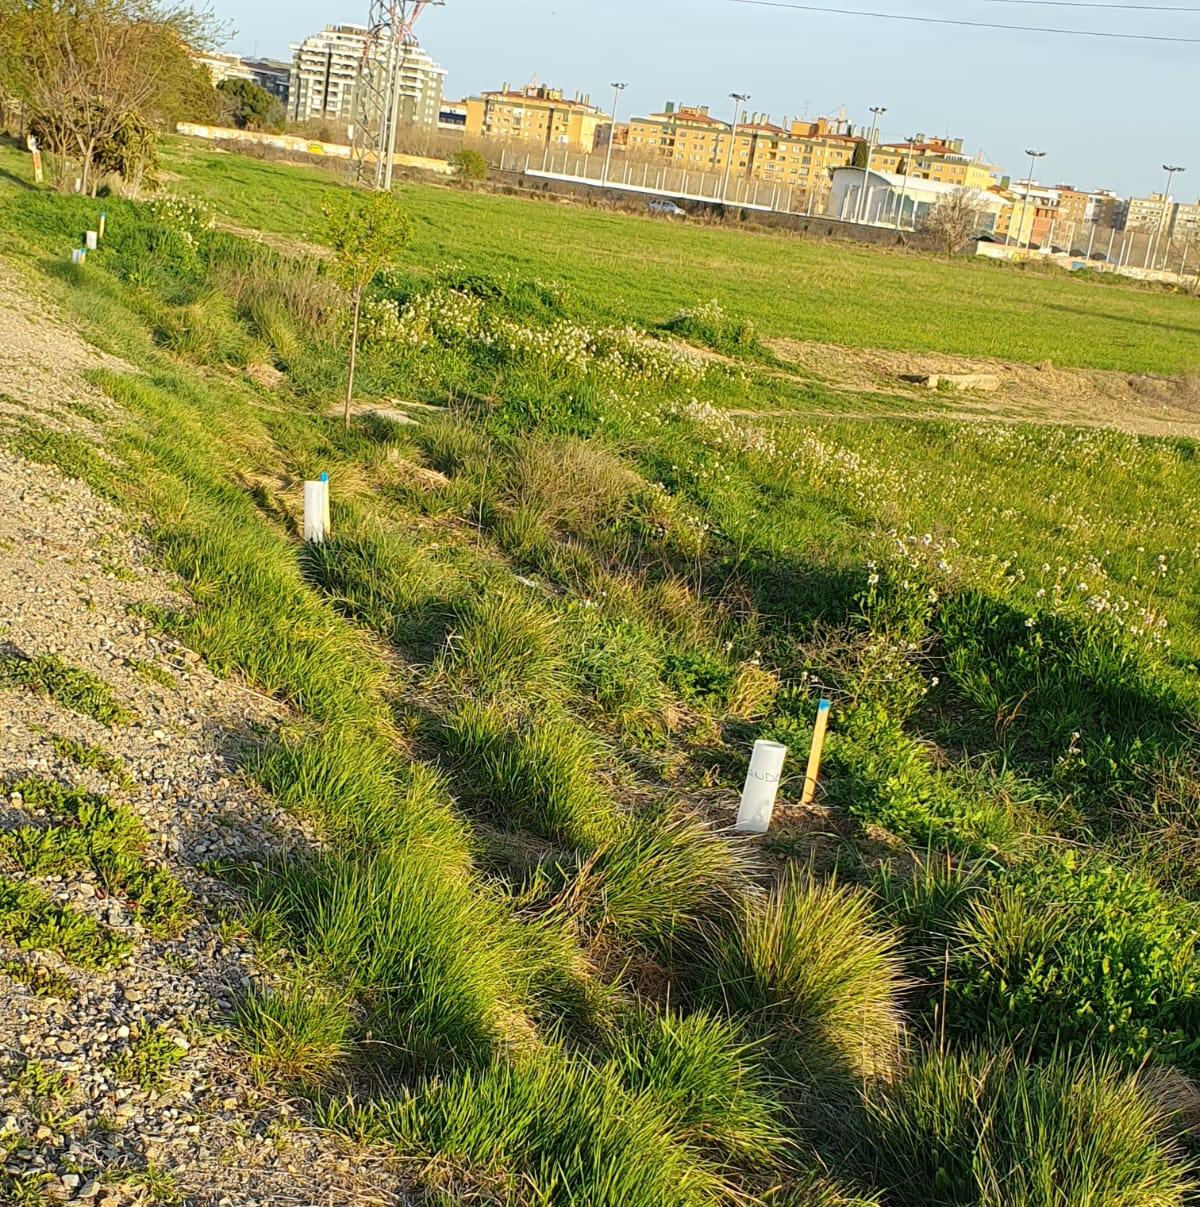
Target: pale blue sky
[(1108, 113)]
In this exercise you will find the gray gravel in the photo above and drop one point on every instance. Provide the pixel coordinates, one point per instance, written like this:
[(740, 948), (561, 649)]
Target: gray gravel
[(73, 572)]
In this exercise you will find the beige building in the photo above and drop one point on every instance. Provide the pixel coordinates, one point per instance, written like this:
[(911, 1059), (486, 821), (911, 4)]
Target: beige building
[(800, 156), (536, 114), (940, 160), (1151, 213)]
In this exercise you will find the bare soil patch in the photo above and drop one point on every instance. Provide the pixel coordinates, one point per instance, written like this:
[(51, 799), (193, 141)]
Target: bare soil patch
[(1028, 393)]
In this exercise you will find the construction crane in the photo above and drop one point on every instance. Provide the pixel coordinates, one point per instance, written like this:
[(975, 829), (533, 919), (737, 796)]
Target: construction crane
[(379, 89)]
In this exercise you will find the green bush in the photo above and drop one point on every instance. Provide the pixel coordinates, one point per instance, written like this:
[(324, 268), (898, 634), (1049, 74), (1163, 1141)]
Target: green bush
[(1071, 950), (469, 165)]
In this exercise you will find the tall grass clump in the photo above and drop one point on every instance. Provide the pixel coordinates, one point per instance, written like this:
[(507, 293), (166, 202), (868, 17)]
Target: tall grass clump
[(990, 1130), (417, 944), (711, 1082), (540, 774), (809, 968), (296, 1034), (559, 1130)]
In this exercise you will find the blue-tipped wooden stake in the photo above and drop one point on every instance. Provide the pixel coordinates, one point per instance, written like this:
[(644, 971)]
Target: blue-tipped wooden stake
[(814, 755)]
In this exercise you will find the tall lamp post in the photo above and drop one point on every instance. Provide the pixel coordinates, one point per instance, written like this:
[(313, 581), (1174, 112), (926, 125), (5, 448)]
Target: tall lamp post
[(1034, 156), (912, 141), (877, 112), (739, 99), (612, 130), (1170, 170)]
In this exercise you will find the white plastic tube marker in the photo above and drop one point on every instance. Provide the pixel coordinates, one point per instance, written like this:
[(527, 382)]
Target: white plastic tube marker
[(814, 754), (314, 512), (93, 240), (762, 786)]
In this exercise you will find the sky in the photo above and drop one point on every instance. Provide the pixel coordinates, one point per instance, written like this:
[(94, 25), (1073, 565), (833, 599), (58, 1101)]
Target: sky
[(1107, 113)]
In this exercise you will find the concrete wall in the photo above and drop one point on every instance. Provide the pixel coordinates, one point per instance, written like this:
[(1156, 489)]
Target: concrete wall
[(297, 145)]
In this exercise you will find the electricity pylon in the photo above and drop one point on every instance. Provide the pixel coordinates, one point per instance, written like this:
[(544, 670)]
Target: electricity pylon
[(379, 90)]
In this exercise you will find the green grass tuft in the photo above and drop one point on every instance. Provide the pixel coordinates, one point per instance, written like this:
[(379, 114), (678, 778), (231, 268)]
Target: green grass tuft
[(68, 686)]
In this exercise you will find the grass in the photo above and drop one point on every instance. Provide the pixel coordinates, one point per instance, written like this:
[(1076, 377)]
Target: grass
[(640, 269), (148, 1060), (523, 677), (68, 686), (92, 757)]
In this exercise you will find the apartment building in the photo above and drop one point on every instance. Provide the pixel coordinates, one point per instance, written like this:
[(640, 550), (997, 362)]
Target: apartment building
[(224, 67), (536, 114), (1033, 217), (940, 160), (798, 155), (1186, 224), (1151, 213), (272, 75), (326, 68)]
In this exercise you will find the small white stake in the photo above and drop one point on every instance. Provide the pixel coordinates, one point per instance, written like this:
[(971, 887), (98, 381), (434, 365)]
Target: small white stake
[(314, 512), (93, 240), (814, 754), (762, 785)]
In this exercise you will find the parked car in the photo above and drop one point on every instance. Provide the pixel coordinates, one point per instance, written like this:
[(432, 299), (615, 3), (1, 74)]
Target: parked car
[(661, 205)]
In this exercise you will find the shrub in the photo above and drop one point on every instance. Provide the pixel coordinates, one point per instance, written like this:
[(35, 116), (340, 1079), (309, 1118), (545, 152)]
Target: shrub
[(809, 968), (995, 1131), (469, 165), (1072, 949)]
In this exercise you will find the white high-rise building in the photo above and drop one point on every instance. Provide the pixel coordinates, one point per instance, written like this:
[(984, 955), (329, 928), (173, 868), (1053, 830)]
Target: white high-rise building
[(325, 71)]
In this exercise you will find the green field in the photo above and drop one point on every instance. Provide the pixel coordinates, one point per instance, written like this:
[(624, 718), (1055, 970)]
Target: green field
[(556, 612), (645, 270)]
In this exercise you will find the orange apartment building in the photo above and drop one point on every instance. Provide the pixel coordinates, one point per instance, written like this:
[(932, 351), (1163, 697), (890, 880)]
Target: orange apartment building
[(798, 155), (937, 159), (536, 114)]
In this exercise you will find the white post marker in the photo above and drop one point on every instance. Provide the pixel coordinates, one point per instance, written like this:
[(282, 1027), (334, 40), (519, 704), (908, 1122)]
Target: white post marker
[(814, 755), (314, 512), (78, 255), (92, 239), (762, 785)]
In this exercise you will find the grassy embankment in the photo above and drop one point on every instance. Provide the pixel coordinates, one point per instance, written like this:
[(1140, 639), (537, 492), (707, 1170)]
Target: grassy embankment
[(526, 670)]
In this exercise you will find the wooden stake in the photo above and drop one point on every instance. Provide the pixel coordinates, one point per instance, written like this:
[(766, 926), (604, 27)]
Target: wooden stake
[(324, 480), (814, 755), (103, 222)]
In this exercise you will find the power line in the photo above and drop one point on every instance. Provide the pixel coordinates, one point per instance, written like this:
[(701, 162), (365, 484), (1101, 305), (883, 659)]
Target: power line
[(1037, 29), (1136, 8)]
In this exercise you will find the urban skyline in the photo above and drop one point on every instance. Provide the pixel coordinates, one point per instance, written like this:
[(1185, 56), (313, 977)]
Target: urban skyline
[(1108, 114)]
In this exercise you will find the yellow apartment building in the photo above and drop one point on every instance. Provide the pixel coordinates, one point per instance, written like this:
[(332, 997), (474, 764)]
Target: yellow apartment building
[(535, 114), (799, 155), (937, 159)]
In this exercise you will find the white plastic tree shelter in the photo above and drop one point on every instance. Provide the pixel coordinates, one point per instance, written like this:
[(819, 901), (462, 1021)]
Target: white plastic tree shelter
[(316, 503), (762, 786), (93, 240)]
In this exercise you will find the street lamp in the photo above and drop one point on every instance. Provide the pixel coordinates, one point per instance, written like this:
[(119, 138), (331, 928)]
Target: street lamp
[(912, 141), (1034, 156), (612, 130), (739, 99), (1170, 170), (878, 111)]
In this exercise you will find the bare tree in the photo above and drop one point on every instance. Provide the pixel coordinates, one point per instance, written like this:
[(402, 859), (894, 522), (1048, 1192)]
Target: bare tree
[(83, 69), (954, 221)]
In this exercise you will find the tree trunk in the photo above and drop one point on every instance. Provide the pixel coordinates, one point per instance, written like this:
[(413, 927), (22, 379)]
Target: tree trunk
[(353, 353)]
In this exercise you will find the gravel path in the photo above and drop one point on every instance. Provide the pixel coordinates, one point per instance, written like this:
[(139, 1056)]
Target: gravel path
[(78, 1119)]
